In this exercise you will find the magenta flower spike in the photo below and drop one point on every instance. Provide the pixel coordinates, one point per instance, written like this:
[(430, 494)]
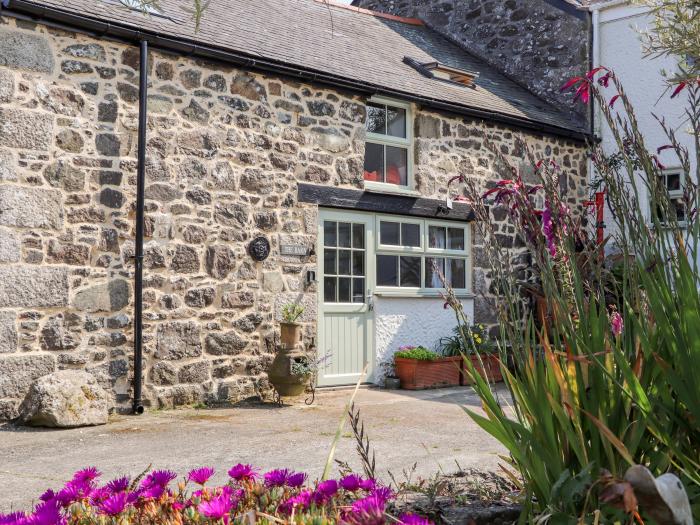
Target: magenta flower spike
[(200, 475), (617, 325)]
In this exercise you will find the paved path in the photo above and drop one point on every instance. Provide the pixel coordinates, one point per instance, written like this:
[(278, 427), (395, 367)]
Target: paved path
[(426, 427)]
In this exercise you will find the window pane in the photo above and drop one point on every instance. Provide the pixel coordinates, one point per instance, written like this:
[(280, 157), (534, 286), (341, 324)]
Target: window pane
[(329, 234), (410, 271), (329, 289), (358, 236), (344, 234), (410, 235), (358, 263), (436, 237), (374, 162), (387, 270), (344, 262), (376, 118), (344, 289), (396, 166), (389, 233), (455, 238), (329, 262), (434, 266), (396, 122), (673, 181), (358, 290), (457, 273)]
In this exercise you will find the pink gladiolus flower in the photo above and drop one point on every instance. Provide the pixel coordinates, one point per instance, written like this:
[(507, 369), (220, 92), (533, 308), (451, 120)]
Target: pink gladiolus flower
[(548, 230), (613, 100), (678, 89), (617, 325)]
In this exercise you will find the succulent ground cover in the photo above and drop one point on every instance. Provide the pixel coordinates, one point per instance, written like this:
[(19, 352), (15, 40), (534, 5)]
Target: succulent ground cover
[(278, 496)]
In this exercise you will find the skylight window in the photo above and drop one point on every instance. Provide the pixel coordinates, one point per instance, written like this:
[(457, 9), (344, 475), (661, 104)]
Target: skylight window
[(145, 6), (440, 71)]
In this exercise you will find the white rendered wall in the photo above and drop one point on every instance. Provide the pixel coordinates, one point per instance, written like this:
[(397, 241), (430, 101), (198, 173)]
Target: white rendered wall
[(410, 321), (618, 45)]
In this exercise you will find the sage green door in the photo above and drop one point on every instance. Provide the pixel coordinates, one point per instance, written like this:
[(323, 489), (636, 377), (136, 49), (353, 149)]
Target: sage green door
[(346, 281)]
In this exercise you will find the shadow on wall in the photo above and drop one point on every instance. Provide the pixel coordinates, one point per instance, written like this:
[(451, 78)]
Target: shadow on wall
[(410, 321)]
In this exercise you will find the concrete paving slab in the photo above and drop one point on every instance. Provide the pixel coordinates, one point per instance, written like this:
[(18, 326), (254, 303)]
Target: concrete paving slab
[(428, 428)]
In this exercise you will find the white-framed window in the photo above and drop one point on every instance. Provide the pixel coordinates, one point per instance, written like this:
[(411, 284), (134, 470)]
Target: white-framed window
[(388, 147), (672, 180), (412, 254)]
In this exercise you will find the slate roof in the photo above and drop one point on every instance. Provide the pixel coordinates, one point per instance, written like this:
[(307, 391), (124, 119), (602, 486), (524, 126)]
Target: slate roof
[(333, 40)]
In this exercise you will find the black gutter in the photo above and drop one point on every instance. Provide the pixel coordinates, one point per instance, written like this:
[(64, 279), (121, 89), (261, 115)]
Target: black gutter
[(47, 15), (138, 257)]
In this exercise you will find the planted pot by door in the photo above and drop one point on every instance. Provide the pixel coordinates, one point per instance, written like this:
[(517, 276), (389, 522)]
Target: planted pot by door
[(282, 374), (418, 368)]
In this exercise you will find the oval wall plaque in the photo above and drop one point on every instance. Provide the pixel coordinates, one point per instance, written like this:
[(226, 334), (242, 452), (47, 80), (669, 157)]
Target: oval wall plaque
[(259, 248)]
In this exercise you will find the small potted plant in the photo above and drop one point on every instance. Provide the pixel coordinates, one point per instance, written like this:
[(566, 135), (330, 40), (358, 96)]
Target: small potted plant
[(391, 380), (473, 343), (418, 368), (290, 330)]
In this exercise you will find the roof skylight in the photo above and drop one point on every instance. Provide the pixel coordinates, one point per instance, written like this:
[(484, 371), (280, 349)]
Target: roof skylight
[(440, 71)]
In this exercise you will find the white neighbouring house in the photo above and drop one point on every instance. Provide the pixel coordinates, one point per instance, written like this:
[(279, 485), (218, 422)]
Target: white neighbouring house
[(617, 44)]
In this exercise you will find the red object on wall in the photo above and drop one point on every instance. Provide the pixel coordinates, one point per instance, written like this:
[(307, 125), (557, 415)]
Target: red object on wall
[(416, 375), (599, 204)]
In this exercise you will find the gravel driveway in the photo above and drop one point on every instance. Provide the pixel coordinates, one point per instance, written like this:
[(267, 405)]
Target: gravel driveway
[(428, 428)]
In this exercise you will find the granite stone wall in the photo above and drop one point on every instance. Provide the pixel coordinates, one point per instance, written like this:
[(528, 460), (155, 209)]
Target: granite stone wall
[(226, 148), (539, 44)]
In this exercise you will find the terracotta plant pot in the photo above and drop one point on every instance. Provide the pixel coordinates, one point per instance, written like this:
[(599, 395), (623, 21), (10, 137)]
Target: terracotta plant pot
[(440, 372), (280, 373), (290, 334), (491, 368)]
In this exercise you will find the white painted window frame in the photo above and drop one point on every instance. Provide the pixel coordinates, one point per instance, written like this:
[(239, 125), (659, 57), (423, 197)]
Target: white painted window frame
[(387, 140), (672, 194), (424, 252)]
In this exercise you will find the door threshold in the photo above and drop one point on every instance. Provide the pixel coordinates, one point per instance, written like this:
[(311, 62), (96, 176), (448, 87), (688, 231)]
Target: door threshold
[(331, 388)]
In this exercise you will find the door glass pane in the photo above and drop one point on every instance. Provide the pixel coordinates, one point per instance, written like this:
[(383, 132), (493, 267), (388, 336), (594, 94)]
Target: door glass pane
[(358, 236), (329, 262), (455, 238), (396, 166), (358, 290), (389, 233), (329, 289), (396, 122), (410, 271), (344, 234), (344, 289), (410, 235), (344, 262), (358, 263), (457, 271), (374, 162), (329, 233), (376, 118), (436, 237), (434, 266), (387, 270)]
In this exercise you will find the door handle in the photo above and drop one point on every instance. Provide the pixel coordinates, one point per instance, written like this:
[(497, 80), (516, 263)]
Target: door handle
[(370, 300)]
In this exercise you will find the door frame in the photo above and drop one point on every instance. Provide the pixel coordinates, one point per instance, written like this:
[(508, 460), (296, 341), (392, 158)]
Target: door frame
[(367, 307)]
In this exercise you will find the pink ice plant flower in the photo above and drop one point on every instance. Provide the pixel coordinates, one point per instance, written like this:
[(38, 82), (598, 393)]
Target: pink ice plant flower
[(413, 519), (118, 485), (217, 508), (325, 491), (115, 504), (200, 475), (351, 482), (242, 472), (300, 501)]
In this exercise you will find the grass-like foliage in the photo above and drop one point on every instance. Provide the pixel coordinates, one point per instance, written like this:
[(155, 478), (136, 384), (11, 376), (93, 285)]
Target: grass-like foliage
[(605, 377)]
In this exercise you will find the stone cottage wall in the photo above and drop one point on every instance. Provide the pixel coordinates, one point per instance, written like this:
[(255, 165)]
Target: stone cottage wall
[(539, 44), (225, 150)]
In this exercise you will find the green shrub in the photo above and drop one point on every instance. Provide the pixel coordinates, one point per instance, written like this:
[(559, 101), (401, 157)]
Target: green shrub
[(419, 353)]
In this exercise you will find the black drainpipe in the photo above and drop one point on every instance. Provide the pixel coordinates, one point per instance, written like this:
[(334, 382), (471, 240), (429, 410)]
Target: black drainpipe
[(138, 257)]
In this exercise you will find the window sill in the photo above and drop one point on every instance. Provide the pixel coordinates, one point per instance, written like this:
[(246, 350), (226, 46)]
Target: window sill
[(391, 189), (421, 294)]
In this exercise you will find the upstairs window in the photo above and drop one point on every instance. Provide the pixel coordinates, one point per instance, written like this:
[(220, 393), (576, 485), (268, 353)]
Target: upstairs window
[(672, 182), (387, 149)]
